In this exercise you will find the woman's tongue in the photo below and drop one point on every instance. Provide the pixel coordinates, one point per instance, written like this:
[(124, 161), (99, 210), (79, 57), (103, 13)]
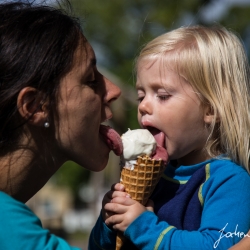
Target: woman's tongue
[(112, 139)]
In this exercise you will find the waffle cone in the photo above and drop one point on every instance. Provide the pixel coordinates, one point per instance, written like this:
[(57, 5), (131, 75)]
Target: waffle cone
[(120, 239), (140, 182)]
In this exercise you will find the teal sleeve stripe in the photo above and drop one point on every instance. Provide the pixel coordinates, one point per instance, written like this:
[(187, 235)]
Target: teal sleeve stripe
[(174, 180), (200, 196), (163, 233)]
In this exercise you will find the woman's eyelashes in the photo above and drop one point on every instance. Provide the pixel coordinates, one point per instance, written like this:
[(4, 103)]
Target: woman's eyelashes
[(92, 83), (94, 80)]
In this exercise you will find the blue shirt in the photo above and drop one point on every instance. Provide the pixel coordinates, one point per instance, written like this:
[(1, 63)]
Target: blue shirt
[(204, 206), (21, 229)]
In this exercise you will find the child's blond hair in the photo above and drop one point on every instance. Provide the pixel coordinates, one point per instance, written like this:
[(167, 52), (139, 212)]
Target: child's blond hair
[(213, 61)]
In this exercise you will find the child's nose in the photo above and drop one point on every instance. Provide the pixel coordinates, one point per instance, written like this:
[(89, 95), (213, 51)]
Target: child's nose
[(145, 107)]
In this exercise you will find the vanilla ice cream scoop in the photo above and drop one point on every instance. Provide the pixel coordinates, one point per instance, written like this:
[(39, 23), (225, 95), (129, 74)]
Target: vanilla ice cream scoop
[(137, 142)]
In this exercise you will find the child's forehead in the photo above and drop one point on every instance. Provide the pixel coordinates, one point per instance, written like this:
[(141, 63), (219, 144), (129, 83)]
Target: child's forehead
[(164, 63), (156, 71), (155, 68)]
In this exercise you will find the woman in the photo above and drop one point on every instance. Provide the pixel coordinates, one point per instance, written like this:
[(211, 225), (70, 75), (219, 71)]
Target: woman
[(52, 103)]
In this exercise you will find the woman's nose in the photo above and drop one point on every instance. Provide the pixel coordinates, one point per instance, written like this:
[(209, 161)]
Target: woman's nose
[(145, 106), (112, 91)]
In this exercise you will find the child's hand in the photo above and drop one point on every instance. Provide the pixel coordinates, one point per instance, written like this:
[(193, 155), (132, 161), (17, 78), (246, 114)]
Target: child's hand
[(123, 211), (116, 191)]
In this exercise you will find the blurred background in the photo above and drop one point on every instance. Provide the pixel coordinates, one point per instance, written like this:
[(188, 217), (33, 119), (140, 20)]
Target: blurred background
[(70, 202)]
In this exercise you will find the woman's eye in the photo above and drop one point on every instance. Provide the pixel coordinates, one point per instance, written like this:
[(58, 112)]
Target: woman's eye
[(94, 79), (92, 83)]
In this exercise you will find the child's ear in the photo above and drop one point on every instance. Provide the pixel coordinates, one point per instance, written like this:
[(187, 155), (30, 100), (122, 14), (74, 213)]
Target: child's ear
[(30, 107), (209, 115)]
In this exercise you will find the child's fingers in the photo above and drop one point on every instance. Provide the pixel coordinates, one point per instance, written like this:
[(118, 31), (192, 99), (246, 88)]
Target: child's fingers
[(111, 206), (115, 208), (108, 199), (119, 205), (116, 194), (123, 200), (116, 222), (113, 220), (125, 211), (113, 194), (106, 211), (106, 214), (118, 187)]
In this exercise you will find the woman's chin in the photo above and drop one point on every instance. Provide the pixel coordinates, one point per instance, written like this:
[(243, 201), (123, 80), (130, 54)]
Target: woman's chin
[(96, 163), (97, 167), (95, 158)]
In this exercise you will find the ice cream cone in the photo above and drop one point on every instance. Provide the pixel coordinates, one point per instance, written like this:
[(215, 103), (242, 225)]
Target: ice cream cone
[(120, 239), (140, 182)]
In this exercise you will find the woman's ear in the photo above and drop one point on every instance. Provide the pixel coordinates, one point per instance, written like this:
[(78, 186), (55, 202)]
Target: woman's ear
[(209, 115), (30, 107)]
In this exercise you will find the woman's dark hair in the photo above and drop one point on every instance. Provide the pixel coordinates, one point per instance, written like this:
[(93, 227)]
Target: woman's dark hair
[(37, 46)]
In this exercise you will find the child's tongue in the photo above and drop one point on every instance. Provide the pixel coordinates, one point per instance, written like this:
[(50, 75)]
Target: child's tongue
[(112, 139), (161, 152)]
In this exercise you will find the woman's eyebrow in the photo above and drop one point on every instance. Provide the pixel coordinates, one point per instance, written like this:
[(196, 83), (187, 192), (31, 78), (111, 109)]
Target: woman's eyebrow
[(91, 63)]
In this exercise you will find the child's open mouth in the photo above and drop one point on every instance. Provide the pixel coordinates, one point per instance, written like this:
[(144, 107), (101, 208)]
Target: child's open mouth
[(161, 152), (158, 135)]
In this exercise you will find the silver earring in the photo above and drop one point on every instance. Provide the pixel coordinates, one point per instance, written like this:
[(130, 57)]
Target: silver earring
[(46, 124)]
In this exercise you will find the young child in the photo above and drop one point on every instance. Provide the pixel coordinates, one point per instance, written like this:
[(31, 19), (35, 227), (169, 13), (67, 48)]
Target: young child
[(193, 89)]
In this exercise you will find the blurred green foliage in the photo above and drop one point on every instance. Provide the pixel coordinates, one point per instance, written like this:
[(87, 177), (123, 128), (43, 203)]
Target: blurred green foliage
[(71, 175), (118, 29)]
